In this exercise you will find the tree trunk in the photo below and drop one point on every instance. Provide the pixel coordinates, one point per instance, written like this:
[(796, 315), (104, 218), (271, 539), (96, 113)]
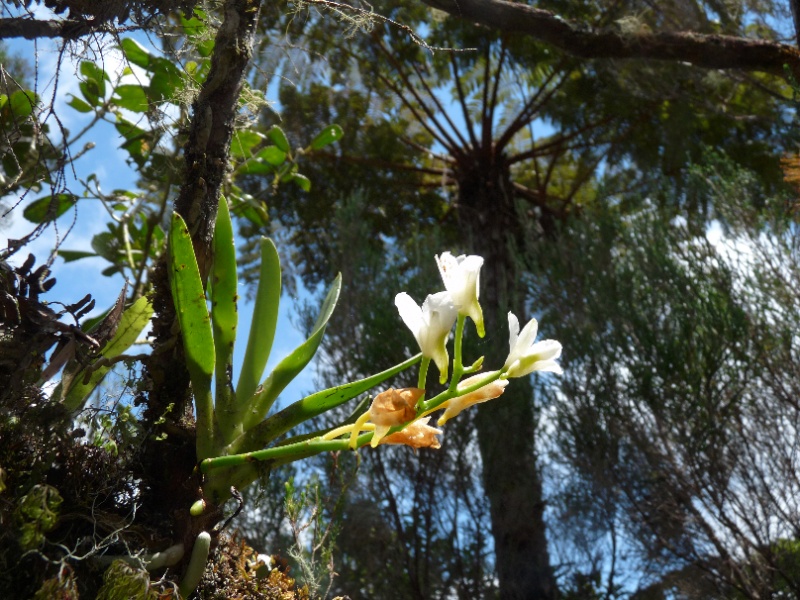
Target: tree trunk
[(506, 427)]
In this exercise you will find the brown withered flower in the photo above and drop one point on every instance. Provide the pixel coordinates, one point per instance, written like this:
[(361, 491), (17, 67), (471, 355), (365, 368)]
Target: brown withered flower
[(417, 435), (393, 407)]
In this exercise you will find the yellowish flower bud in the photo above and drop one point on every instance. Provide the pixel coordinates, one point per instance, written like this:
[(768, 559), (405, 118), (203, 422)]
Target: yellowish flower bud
[(488, 392)]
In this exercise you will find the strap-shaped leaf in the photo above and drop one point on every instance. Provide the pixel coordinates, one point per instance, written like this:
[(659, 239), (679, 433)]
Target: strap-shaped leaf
[(311, 406), (262, 327), (291, 366), (224, 318), (131, 324), (195, 323)]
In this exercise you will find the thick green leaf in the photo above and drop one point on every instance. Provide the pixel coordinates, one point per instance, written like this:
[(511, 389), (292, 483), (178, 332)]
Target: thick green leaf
[(310, 407), (49, 208), (131, 97), (190, 304), (135, 53), (327, 136), (224, 317), (262, 327), (278, 137), (291, 366), (195, 323), (131, 324)]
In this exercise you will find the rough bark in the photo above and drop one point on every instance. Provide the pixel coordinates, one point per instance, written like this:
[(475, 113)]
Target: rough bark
[(207, 162), (701, 50), (506, 428)]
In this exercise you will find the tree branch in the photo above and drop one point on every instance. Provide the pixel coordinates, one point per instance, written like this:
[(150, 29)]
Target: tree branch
[(702, 50), (66, 29), (795, 6)]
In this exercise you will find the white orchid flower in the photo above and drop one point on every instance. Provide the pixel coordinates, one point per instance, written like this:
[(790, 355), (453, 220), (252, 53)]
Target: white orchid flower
[(525, 356), (461, 276), (430, 325)]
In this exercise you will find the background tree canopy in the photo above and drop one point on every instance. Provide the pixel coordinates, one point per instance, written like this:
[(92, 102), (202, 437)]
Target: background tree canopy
[(626, 171)]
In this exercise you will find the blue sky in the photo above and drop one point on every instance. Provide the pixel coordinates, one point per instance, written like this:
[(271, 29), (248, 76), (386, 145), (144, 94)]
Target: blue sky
[(74, 230)]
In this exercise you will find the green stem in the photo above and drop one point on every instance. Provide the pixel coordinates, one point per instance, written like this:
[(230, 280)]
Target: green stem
[(291, 452), (458, 368), (309, 407), (423, 372), (453, 392)]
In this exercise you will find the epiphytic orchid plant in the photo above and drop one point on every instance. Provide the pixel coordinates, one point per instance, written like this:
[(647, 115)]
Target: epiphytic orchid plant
[(236, 433)]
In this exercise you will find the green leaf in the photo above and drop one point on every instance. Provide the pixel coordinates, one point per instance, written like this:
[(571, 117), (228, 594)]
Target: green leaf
[(73, 255), (273, 155), (131, 97), (22, 103), (291, 366), (165, 80), (224, 317), (303, 182), (107, 245), (49, 208), (190, 304), (131, 324), (312, 406), (278, 137), (206, 47), (93, 86), (129, 130), (262, 327), (195, 323), (243, 143), (135, 53), (255, 166), (79, 105), (329, 135), (252, 211)]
